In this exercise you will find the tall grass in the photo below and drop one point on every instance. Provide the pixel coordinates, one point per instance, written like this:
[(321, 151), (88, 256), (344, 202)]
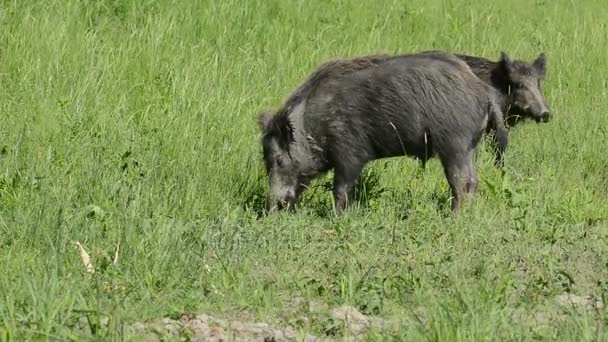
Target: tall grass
[(130, 126)]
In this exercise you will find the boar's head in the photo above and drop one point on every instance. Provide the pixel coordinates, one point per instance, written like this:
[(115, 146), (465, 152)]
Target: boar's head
[(525, 91), (281, 166)]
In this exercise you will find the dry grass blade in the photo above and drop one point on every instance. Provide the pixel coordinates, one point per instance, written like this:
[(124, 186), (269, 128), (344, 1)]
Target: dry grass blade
[(86, 258), (115, 261)]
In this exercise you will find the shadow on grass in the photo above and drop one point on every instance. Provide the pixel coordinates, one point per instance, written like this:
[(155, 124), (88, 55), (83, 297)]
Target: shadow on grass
[(443, 200), (317, 199)]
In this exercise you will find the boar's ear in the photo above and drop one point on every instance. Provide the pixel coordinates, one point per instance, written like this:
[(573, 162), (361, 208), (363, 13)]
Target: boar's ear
[(264, 120), (540, 63), (506, 62)]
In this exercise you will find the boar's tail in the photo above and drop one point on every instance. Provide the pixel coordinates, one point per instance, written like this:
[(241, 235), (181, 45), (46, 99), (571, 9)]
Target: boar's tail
[(501, 134)]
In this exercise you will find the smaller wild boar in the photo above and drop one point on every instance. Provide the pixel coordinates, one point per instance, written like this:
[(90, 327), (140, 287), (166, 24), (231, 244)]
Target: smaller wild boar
[(421, 105), (518, 86)]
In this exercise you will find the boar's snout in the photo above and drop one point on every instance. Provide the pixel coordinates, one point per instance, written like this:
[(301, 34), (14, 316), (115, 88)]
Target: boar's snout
[(545, 116), (539, 113), (287, 200)]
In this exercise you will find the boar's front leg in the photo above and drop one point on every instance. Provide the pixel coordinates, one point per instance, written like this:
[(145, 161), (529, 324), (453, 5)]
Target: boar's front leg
[(500, 138), (345, 178)]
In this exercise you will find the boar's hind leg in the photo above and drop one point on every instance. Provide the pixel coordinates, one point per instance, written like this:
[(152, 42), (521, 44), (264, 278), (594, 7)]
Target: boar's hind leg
[(456, 168), (345, 178)]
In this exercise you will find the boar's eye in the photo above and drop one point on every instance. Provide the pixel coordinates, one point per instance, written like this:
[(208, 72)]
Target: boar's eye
[(279, 162)]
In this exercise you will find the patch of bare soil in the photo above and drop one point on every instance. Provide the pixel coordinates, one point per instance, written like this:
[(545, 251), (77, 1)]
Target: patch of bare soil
[(207, 328), (344, 321), (580, 302), (556, 310)]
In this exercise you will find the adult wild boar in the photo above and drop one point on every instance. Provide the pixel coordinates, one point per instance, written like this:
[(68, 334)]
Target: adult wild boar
[(417, 105)]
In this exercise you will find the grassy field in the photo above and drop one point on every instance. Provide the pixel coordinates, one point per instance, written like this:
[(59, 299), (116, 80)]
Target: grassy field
[(130, 126)]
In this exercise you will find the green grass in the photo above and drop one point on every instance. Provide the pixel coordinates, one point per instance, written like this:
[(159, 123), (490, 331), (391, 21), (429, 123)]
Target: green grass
[(133, 123)]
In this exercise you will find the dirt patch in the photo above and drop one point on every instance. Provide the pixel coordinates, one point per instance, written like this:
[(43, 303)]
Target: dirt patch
[(556, 310), (207, 328), (580, 302)]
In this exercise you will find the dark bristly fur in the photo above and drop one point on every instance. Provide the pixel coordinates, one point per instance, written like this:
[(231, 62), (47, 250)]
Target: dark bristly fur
[(332, 69), (347, 114)]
